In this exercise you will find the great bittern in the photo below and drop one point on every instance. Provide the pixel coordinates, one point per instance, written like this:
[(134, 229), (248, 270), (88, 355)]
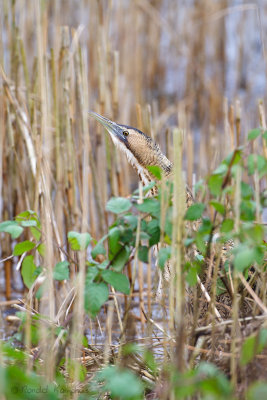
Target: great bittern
[(139, 148), (141, 152)]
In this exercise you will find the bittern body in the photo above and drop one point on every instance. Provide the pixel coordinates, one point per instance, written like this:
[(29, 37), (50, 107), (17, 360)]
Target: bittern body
[(141, 152)]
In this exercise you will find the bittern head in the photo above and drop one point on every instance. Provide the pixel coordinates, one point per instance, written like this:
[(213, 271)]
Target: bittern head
[(139, 148)]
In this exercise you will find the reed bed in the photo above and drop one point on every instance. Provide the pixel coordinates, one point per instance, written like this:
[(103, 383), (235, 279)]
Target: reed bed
[(192, 78)]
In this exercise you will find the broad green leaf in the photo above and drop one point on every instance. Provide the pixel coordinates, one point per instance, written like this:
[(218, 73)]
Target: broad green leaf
[(205, 227), (95, 295), (221, 169), (244, 257), (195, 211), (79, 241), (30, 222), (253, 134), (218, 207), (143, 253), (246, 190), (61, 271), (41, 249), (227, 225), (164, 255), (256, 161), (113, 241), (247, 209), (150, 206), (248, 350), (26, 214), (119, 281), (150, 361), (252, 346), (257, 391), (91, 274), (118, 205), (120, 260), (200, 242), (155, 170), (36, 233), (28, 271), (98, 249), (131, 220), (121, 383), (11, 227), (191, 277), (215, 184), (22, 247), (153, 230)]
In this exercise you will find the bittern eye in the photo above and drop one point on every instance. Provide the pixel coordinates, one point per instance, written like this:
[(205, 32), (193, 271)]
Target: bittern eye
[(125, 133)]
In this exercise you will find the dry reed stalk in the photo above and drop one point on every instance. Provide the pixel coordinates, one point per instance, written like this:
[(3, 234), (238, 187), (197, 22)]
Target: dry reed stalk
[(235, 333), (177, 288), (46, 215)]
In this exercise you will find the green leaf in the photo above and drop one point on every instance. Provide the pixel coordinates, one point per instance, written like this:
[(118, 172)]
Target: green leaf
[(257, 162), (35, 233), (215, 184), (143, 253), (131, 220), (26, 214), (191, 277), (164, 255), (153, 230), (121, 383), (30, 222), (247, 208), (91, 274), (79, 241), (257, 391), (254, 133), (200, 242), (28, 271), (195, 211), (248, 350), (120, 259), (11, 227), (41, 249), (98, 249), (227, 225), (95, 295), (22, 247), (246, 190), (119, 281), (151, 206), (155, 170), (118, 205), (244, 257), (113, 241), (61, 271), (218, 207)]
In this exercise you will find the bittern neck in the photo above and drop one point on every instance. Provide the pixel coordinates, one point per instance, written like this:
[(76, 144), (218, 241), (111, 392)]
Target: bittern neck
[(157, 158)]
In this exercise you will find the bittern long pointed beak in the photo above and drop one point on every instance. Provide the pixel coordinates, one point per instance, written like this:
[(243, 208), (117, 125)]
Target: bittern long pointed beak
[(110, 126)]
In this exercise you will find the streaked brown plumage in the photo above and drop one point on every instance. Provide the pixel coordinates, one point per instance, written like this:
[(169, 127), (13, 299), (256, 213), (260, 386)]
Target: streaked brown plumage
[(140, 150)]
